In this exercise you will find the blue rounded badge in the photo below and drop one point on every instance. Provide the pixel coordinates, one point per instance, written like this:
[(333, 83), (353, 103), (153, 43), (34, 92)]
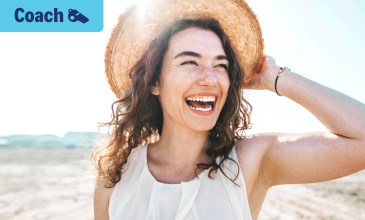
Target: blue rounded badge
[(50, 16)]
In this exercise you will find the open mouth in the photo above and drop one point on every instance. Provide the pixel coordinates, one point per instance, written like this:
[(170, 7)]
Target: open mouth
[(203, 104)]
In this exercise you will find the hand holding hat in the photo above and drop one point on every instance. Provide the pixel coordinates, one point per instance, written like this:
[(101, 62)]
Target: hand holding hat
[(264, 78)]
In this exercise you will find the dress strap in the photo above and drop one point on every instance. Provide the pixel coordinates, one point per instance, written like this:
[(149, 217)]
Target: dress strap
[(237, 195)]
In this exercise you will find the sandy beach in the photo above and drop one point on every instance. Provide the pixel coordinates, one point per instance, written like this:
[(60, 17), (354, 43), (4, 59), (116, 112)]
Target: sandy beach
[(52, 184)]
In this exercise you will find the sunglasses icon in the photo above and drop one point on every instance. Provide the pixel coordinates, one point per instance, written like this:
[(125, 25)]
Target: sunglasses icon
[(74, 15)]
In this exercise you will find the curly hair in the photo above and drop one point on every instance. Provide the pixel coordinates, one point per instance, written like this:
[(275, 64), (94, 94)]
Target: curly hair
[(138, 117)]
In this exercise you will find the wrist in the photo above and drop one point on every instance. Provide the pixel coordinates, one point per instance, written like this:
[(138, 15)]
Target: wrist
[(271, 77)]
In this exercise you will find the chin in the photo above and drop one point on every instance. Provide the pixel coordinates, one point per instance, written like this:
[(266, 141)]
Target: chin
[(203, 126)]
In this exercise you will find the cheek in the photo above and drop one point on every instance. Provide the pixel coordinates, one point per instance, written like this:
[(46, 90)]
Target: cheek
[(178, 80), (173, 90), (225, 82)]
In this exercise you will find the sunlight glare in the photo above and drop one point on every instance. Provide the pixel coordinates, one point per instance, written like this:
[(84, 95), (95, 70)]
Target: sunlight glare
[(142, 8)]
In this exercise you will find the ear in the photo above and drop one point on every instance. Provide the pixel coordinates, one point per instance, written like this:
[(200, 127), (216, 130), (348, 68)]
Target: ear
[(155, 90)]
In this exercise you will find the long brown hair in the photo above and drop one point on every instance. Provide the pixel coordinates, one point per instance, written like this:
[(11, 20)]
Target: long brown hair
[(137, 118)]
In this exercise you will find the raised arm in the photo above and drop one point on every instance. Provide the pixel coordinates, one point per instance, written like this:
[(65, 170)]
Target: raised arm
[(316, 156)]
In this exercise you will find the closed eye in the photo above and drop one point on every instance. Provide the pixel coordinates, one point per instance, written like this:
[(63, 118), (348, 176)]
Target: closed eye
[(224, 66), (189, 62)]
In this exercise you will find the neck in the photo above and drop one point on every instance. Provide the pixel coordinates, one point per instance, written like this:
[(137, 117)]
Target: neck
[(181, 149)]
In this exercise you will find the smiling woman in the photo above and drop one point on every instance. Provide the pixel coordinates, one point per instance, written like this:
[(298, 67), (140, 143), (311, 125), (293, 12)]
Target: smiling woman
[(189, 74), (178, 149)]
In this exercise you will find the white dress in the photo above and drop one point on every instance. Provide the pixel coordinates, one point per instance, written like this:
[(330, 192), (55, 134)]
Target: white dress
[(138, 195)]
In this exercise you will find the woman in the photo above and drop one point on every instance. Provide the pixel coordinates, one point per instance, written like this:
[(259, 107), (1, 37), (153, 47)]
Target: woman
[(178, 149)]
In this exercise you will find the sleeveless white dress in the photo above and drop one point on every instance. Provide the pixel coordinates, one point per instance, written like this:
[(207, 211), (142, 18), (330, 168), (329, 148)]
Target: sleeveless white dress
[(138, 195)]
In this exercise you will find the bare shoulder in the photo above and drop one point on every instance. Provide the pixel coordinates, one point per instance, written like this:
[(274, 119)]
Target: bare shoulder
[(102, 196), (254, 145)]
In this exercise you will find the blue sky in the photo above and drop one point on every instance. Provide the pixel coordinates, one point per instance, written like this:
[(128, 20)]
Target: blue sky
[(52, 83)]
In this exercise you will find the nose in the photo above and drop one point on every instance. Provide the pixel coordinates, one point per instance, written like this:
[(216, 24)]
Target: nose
[(208, 77)]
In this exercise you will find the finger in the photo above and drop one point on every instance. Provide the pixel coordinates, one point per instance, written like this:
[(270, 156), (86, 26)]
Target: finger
[(250, 84), (261, 64)]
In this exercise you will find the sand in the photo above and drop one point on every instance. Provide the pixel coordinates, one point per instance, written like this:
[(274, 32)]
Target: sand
[(51, 184)]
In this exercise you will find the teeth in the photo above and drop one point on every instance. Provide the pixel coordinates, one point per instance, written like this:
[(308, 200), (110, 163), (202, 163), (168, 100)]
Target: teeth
[(201, 109), (202, 99)]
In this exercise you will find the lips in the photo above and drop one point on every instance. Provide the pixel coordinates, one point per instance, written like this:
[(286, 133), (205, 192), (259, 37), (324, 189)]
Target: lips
[(202, 104)]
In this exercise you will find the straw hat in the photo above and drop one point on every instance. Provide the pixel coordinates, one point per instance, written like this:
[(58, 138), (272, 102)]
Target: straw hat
[(139, 25)]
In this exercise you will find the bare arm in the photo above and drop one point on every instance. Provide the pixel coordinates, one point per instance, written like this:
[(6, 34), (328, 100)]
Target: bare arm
[(101, 201), (315, 156), (312, 157)]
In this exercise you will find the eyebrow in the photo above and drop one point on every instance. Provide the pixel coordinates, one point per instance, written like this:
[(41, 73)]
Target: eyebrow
[(193, 54)]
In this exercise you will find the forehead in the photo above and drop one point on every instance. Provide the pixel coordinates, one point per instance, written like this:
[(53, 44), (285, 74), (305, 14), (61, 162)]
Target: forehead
[(204, 42)]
